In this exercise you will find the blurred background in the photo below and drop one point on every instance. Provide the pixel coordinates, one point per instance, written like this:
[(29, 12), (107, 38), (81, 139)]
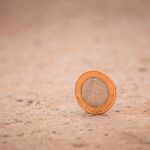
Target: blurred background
[(45, 45)]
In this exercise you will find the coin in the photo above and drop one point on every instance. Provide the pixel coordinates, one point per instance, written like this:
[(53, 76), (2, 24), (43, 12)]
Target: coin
[(95, 92)]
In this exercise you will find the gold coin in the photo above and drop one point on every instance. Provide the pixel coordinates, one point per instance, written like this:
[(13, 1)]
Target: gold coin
[(95, 92)]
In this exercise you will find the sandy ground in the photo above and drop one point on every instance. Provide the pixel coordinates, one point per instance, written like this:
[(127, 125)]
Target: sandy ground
[(45, 46)]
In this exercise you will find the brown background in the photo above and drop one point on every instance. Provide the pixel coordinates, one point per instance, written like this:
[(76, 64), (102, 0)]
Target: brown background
[(45, 45)]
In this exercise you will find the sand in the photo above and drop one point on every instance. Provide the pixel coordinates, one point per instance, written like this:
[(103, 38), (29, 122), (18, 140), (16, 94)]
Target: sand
[(45, 46)]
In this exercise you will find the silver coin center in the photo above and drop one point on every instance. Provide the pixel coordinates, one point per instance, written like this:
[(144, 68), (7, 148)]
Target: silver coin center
[(94, 91)]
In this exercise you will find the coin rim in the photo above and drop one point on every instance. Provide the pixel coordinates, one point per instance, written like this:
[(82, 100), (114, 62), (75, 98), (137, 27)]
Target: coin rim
[(111, 92)]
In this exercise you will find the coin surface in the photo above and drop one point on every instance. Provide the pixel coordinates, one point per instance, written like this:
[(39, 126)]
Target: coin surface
[(95, 92)]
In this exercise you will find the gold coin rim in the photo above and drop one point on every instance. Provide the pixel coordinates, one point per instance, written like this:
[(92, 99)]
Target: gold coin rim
[(111, 92)]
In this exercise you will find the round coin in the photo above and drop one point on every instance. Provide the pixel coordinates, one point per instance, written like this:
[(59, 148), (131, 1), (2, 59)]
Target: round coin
[(95, 92)]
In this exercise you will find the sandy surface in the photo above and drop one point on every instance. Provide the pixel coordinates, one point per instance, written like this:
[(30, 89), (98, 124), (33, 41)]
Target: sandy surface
[(45, 46)]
